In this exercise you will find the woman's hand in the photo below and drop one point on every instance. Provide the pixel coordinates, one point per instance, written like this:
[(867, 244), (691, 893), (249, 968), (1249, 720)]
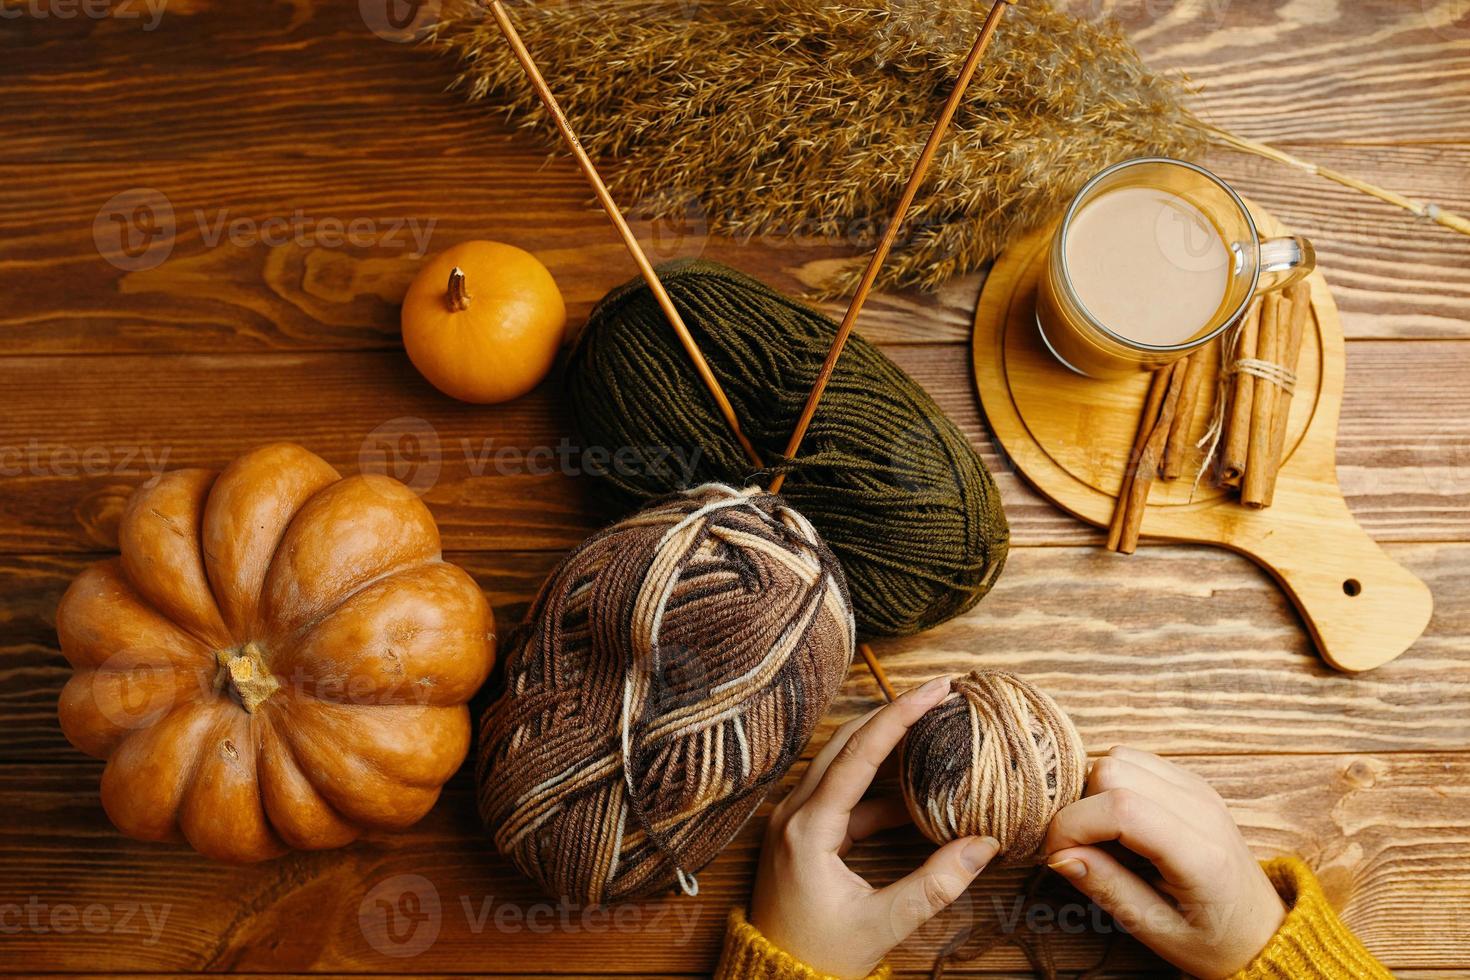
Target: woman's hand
[(1206, 907), (807, 900)]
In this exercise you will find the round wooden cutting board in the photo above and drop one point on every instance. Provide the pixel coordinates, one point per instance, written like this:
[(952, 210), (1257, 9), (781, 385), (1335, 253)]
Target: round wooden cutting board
[(1071, 437)]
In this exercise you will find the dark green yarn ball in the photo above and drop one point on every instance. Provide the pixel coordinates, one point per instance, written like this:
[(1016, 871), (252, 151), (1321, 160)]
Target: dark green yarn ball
[(888, 480)]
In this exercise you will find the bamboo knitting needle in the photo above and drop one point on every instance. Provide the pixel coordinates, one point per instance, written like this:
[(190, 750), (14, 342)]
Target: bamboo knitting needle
[(870, 276), (876, 669), (533, 74), (665, 302)]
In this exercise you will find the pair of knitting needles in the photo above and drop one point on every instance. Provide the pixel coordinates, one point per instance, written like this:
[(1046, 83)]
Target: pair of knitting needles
[(859, 299)]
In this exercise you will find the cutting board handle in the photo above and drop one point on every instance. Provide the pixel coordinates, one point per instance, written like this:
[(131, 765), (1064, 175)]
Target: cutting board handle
[(1362, 607)]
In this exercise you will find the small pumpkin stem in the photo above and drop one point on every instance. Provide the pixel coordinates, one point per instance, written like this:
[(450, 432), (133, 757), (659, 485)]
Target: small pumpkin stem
[(249, 676), (458, 298)]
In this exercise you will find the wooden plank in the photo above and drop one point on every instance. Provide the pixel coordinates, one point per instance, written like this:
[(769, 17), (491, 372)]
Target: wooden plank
[(1369, 71), (1392, 274), (304, 256), (83, 433), (900, 974), (1372, 71), (458, 172), (1393, 75), (1387, 833), (1175, 649)]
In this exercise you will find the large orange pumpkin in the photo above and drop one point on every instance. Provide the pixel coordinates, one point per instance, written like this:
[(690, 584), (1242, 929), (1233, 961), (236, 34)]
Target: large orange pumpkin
[(280, 658)]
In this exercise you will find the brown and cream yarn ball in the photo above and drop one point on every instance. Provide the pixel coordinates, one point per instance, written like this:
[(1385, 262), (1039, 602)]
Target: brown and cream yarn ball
[(997, 758), (671, 670)]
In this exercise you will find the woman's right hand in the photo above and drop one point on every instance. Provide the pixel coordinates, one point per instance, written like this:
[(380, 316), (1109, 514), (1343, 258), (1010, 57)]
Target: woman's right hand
[(1209, 909)]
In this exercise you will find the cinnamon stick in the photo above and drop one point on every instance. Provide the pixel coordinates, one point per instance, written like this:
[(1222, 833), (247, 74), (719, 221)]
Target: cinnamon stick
[(1135, 499), (1242, 388), (1157, 389), (1299, 299), (1177, 446), (1263, 406)]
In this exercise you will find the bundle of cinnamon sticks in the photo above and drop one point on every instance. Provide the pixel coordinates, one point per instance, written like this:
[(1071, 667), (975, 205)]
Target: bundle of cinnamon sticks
[(1260, 399), (1260, 366)]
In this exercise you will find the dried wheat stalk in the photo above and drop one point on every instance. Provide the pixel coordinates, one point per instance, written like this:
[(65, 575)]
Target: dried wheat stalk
[(804, 117)]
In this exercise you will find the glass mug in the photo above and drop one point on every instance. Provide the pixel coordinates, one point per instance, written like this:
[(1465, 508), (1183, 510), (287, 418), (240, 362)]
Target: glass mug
[(1154, 259)]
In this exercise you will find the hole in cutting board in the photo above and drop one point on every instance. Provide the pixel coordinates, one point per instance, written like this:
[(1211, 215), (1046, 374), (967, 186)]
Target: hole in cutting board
[(1352, 587)]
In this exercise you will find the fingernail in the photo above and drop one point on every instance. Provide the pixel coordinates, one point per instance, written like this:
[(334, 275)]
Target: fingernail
[(979, 852), (1070, 868), (934, 687)]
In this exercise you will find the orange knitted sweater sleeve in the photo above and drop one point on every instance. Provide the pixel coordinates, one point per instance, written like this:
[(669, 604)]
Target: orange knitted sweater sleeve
[(749, 955), (1312, 943)]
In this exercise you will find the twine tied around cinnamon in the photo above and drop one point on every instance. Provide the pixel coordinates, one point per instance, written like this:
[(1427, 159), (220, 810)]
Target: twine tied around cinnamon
[(1265, 346), (1280, 375), (1232, 365)]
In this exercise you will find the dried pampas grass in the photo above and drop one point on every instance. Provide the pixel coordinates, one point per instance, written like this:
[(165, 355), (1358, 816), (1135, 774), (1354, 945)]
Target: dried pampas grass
[(804, 117)]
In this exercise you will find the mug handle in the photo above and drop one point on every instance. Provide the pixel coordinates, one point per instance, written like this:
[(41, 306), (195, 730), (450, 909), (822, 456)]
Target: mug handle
[(1284, 261)]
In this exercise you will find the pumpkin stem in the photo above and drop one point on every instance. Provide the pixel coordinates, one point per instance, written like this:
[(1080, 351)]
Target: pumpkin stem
[(250, 679), (458, 299)]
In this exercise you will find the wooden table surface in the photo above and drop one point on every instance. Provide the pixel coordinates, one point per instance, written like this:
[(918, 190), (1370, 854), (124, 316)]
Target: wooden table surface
[(275, 130)]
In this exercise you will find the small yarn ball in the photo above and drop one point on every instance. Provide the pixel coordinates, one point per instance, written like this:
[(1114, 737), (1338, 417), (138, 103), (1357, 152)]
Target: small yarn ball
[(998, 759), (670, 671), (891, 483)]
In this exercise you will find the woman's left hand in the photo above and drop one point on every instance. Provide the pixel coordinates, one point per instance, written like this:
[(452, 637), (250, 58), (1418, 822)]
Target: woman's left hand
[(807, 900)]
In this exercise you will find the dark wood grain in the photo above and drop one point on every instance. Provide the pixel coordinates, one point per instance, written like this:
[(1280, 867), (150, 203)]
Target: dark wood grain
[(1325, 71), (83, 432), (305, 71), (256, 113), (1385, 833), (1177, 649)]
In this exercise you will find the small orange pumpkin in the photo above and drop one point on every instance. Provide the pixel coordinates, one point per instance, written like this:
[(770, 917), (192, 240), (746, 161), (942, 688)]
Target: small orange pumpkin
[(280, 658), (482, 321)]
